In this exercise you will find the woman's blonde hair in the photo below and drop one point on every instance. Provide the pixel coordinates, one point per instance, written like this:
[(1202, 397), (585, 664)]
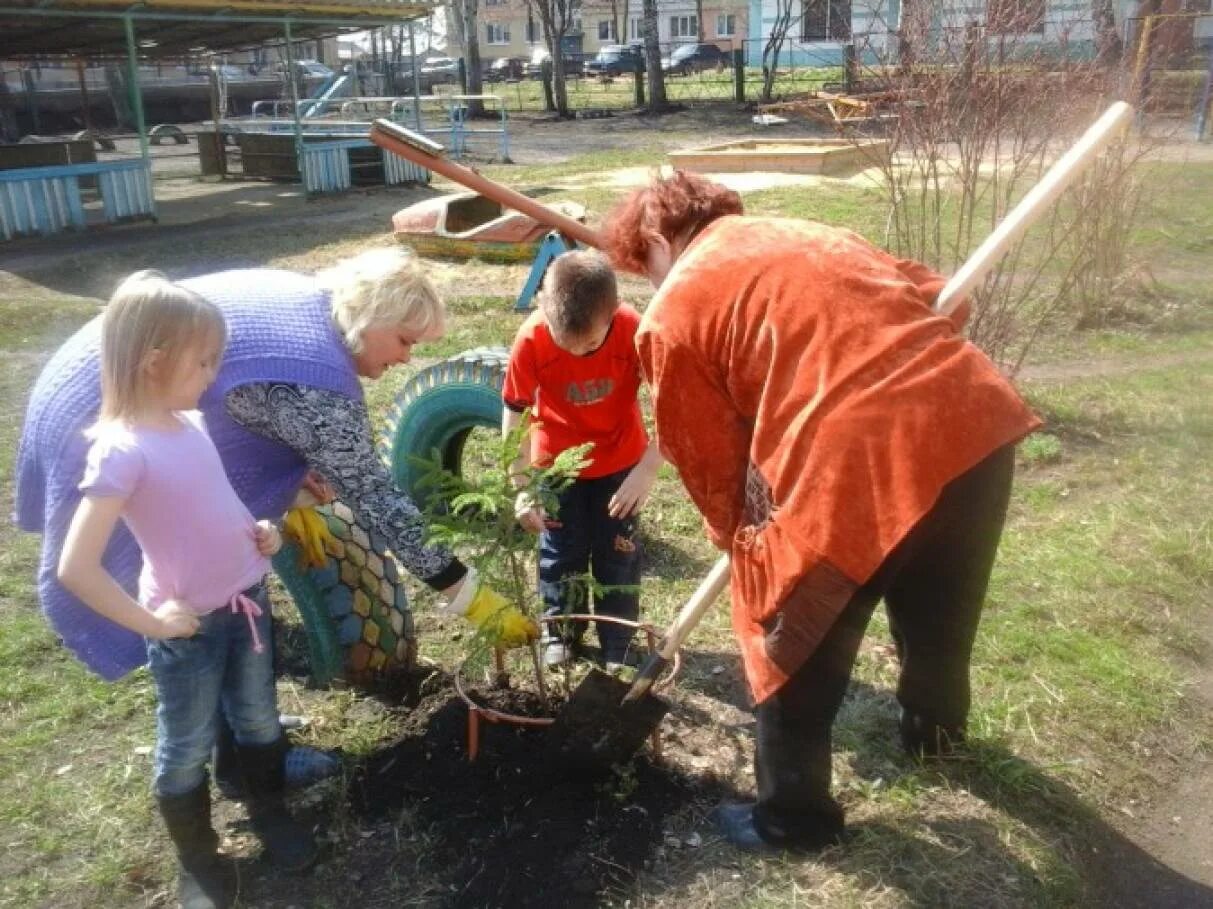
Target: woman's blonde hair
[(148, 313), (383, 288)]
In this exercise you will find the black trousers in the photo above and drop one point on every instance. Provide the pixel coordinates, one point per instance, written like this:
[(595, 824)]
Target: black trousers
[(933, 584)]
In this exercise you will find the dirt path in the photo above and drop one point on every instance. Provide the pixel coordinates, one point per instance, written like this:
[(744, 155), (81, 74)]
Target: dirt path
[(1166, 858), (1175, 830)]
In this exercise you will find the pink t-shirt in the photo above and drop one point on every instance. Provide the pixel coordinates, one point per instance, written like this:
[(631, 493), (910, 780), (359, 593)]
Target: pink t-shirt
[(195, 533)]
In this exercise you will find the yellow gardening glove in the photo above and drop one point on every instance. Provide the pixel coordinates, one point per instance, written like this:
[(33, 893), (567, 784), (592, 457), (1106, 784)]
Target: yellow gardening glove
[(310, 532), (502, 624)]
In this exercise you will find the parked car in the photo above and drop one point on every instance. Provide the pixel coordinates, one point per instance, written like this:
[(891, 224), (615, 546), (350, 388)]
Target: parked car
[(506, 69), (616, 60), (694, 58), (439, 71), (573, 66), (431, 72)]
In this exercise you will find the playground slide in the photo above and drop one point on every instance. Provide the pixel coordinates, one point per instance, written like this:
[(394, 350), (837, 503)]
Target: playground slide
[(339, 85)]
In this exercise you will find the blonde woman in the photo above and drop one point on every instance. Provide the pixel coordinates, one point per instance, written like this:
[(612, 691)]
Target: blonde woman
[(287, 400), (201, 596)]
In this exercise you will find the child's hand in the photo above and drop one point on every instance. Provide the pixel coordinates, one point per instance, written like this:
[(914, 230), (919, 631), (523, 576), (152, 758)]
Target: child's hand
[(269, 540), (529, 513), (176, 621), (633, 492)]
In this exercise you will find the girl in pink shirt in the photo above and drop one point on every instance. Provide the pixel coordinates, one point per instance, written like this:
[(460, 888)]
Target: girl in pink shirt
[(202, 604)]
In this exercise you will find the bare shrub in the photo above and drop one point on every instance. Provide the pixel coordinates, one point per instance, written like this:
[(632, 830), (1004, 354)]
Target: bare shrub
[(975, 115)]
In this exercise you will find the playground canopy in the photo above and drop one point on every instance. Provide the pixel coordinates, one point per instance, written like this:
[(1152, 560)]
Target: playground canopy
[(175, 28)]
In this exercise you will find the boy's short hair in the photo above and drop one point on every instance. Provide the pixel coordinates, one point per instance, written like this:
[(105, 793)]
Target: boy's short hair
[(578, 290)]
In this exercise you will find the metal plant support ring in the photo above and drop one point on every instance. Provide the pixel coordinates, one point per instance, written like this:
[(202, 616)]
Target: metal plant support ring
[(478, 712)]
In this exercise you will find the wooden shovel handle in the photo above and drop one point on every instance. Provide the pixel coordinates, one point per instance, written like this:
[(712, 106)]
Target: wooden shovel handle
[(703, 597)]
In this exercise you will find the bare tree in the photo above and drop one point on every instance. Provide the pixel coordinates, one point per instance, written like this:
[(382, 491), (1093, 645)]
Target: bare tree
[(699, 20), (556, 18), (788, 14), (652, 54), (471, 54)]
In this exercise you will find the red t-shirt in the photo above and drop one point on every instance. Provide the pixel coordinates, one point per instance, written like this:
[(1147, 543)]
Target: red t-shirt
[(578, 399)]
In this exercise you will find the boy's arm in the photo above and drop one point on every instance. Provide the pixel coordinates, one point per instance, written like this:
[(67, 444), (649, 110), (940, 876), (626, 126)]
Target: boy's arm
[(510, 421), (633, 492), (81, 572)]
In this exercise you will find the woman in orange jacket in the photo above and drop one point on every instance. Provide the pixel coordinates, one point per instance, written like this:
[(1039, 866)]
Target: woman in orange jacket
[(859, 449)]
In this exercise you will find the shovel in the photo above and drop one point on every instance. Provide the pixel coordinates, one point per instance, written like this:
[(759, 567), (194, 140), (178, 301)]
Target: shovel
[(606, 720)]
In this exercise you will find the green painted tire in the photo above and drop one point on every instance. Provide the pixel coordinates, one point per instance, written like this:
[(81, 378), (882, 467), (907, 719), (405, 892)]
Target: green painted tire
[(438, 408)]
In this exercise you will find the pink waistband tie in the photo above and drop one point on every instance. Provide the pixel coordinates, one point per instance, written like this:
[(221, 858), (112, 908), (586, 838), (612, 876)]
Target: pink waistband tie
[(251, 612)]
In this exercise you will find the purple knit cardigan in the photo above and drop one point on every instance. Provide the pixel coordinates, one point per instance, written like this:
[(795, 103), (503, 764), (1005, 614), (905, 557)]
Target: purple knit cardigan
[(279, 330)]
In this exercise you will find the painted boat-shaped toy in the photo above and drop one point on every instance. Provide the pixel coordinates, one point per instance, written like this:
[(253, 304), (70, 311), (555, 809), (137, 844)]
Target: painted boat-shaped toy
[(468, 225)]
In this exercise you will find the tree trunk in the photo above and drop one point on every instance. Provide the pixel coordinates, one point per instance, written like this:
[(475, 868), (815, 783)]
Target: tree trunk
[(559, 86), (471, 56), (616, 33), (652, 52), (699, 20)]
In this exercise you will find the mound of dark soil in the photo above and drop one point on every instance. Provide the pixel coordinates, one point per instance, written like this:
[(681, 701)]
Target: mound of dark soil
[(513, 828)]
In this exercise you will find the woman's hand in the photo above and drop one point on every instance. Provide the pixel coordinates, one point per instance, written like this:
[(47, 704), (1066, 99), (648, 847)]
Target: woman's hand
[(319, 487), (174, 620), (268, 539)]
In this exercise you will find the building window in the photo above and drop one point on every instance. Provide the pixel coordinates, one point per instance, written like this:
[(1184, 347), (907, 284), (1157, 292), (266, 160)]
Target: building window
[(726, 25), (606, 30), (494, 2), (497, 32), (1017, 17), (637, 28), (827, 20), (532, 30), (684, 27)]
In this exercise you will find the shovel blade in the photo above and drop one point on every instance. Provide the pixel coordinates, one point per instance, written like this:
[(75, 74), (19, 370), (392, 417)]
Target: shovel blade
[(596, 730)]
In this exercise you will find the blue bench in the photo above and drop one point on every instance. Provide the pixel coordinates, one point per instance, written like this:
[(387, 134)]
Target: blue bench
[(47, 200)]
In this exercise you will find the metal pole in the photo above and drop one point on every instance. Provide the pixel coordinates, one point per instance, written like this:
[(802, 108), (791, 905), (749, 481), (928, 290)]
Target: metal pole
[(290, 79), (132, 66), (416, 77), (88, 117)]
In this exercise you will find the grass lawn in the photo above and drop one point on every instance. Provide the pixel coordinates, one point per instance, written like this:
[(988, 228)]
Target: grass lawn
[(1094, 629)]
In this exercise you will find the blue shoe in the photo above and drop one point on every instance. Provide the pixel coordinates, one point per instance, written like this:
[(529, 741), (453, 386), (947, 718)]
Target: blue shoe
[(305, 766), (736, 822)]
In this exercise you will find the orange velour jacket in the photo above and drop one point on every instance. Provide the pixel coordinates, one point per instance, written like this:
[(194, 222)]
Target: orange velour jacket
[(815, 407)]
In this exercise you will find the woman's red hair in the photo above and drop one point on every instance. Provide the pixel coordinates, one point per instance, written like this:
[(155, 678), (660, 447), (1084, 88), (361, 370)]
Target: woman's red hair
[(676, 207)]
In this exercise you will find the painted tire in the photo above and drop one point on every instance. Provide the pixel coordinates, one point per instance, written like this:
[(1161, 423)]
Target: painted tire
[(438, 408), (355, 611)]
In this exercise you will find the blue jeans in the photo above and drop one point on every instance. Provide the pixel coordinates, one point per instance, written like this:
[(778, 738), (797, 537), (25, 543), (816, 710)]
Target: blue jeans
[(584, 537), (196, 677)]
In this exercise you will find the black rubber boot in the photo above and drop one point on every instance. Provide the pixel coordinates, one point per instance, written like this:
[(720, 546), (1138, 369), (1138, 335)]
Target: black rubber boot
[(205, 880), (289, 844)]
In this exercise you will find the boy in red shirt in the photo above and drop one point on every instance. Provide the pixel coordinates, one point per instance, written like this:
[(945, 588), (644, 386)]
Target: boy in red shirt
[(574, 365)]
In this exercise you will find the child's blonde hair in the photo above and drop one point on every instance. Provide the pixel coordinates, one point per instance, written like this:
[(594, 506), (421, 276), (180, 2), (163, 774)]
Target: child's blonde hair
[(380, 288), (148, 313)]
